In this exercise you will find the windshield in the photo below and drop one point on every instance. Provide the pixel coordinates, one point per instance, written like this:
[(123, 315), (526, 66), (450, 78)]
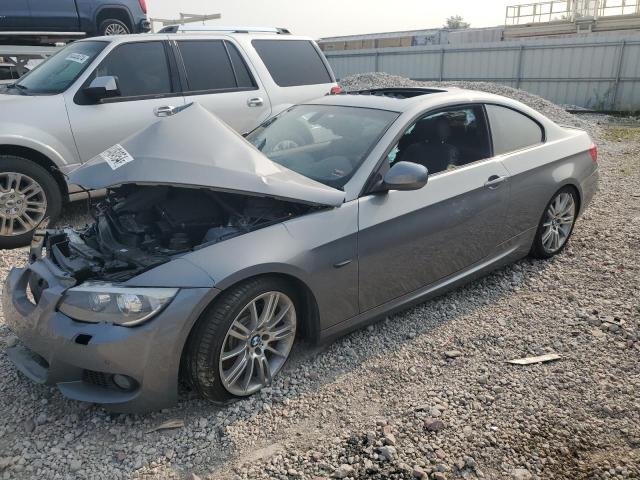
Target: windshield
[(326, 143), (57, 73)]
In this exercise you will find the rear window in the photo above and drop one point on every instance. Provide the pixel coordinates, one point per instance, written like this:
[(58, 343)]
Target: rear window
[(512, 130), (293, 62)]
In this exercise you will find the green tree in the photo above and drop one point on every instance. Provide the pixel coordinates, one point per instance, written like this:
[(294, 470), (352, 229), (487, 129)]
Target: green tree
[(456, 22)]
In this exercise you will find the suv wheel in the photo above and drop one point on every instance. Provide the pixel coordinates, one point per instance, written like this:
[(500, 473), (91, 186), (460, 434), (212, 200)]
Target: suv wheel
[(112, 26), (28, 194)]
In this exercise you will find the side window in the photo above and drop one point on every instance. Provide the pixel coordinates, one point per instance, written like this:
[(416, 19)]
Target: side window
[(512, 130), (292, 62), (141, 68), (445, 140), (207, 64), (243, 76)]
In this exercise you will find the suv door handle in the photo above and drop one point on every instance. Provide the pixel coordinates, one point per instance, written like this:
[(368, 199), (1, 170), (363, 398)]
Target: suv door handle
[(494, 182), (255, 102), (165, 111)]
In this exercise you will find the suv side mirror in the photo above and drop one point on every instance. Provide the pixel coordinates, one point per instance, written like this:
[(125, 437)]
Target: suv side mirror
[(103, 87), (405, 176)]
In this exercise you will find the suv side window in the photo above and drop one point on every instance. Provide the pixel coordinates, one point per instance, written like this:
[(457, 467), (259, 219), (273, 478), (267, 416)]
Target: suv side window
[(512, 130), (214, 65), (207, 64), (445, 140), (243, 76), (141, 67), (292, 62)]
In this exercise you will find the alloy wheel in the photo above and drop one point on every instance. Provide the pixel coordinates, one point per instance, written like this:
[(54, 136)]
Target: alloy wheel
[(558, 222), (115, 29), (23, 203), (257, 343)]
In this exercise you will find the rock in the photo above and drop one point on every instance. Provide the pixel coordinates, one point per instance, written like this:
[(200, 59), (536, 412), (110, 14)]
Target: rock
[(521, 474), (193, 476), (41, 419), (419, 473), (467, 431), (11, 341), (433, 424), (343, 471), (75, 465), (388, 452), (452, 353), (29, 425)]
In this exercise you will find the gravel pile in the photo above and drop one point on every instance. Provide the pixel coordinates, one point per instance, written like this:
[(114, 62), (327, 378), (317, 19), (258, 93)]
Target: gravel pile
[(425, 394), (365, 81)]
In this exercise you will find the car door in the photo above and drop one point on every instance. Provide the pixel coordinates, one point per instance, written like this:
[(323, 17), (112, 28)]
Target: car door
[(15, 15), (54, 15), (219, 79), (410, 239), (146, 83), (519, 141)]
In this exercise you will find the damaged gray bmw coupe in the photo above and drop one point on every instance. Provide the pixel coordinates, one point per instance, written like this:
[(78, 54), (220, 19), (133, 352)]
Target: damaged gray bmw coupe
[(212, 253)]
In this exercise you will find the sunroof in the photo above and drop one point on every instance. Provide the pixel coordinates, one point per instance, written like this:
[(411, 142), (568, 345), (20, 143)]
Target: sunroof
[(400, 93)]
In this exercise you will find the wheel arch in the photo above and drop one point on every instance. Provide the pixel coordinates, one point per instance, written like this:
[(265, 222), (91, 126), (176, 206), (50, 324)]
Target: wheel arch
[(308, 329), (40, 159), (117, 12), (575, 186)]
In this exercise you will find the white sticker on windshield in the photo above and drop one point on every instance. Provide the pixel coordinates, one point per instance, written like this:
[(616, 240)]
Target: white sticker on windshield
[(77, 57), (116, 156)]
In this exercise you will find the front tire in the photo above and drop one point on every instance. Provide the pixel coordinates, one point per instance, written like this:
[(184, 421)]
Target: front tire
[(28, 194), (112, 26), (556, 224), (243, 341)]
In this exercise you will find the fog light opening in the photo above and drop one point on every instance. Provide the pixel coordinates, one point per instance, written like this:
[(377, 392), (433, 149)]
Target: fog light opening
[(124, 382)]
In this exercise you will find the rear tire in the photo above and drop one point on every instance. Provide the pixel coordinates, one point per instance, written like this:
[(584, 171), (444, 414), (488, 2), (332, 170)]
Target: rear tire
[(28, 194), (111, 26), (253, 350), (556, 224)]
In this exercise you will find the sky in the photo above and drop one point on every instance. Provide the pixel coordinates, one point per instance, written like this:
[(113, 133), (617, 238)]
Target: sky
[(326, 18)]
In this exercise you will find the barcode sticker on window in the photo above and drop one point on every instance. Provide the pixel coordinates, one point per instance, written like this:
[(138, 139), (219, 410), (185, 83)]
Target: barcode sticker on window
[(77, 57), (116, 156)]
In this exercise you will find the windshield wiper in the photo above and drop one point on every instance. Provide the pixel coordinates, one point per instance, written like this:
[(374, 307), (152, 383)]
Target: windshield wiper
[(21, 88)]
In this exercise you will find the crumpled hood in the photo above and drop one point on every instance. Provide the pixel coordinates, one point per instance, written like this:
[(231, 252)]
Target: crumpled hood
[(195, 148)]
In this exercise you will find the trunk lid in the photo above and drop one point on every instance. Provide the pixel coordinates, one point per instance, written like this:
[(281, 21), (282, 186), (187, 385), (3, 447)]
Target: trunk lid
[(194, 148)]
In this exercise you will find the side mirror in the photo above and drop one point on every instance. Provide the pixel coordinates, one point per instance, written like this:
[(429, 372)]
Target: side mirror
[(405, 176), (103, 87)]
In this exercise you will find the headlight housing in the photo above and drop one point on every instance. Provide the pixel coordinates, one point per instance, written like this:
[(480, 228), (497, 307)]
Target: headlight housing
[(105, 302)]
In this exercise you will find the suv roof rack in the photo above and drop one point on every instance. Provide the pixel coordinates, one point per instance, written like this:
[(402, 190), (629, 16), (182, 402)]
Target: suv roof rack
[(220, 28), (399, 92)]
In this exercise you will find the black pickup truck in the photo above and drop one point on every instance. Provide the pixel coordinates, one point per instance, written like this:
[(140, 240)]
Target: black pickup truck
[(91, 17)]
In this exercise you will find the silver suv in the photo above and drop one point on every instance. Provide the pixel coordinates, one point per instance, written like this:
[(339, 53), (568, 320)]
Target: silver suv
[(96, 92)]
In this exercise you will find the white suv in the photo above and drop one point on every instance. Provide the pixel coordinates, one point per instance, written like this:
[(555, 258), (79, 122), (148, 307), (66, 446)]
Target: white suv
[(96, 92)]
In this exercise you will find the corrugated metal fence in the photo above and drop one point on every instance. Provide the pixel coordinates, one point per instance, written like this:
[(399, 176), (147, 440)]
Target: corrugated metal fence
[(595, 72)]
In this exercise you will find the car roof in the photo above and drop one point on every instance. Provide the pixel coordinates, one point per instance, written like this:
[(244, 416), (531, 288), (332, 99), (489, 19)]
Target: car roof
[(402, 100), (199, 34)]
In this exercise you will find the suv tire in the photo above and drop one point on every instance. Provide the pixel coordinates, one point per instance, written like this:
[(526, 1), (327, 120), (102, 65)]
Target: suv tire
[(16, 190), (111, 26)]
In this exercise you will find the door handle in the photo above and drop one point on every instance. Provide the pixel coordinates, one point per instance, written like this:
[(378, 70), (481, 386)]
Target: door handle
[(255, 102), (165, 111), (494, 182)]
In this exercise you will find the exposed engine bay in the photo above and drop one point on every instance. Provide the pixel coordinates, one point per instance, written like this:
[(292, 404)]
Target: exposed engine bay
[(139, 227)]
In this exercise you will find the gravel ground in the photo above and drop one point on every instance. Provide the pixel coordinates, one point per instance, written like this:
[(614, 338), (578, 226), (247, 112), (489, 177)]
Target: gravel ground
[(423, 394)]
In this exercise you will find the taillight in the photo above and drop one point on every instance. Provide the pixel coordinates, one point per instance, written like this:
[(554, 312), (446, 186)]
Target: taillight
[(594, 152), (143, 6), (335, 90)]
